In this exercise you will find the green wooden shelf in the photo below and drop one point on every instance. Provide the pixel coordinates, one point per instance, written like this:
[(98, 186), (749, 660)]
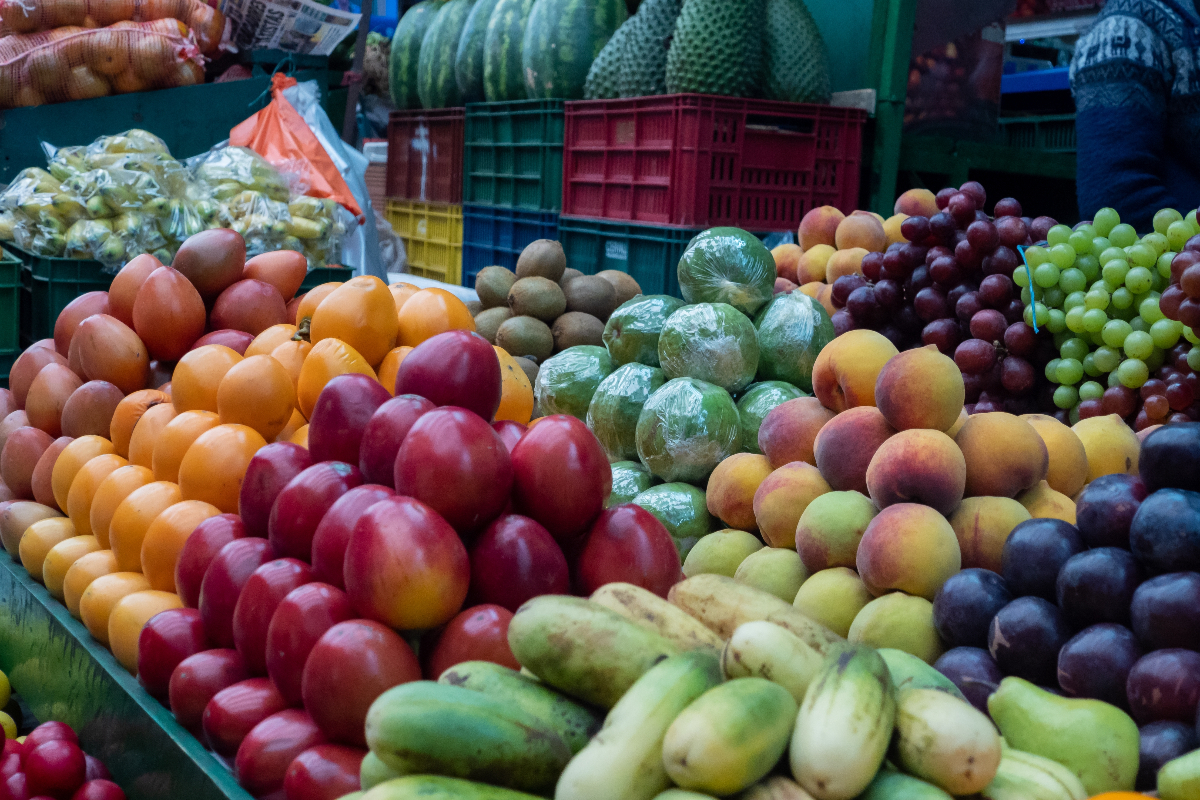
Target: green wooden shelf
[(957, 158), (63, 674)]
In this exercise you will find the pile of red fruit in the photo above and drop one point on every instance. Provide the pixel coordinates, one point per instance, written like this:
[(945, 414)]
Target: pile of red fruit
[(50, 765)]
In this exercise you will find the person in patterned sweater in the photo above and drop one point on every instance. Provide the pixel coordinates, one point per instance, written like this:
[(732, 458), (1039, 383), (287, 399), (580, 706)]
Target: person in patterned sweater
[(1136, 81)]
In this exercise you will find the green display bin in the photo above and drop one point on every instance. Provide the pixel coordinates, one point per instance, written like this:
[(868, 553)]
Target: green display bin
[(10, 305), (316, 277), (63, 674), (49, 284), (513, 154), (1050, 134), (6, 362), (648, 253)]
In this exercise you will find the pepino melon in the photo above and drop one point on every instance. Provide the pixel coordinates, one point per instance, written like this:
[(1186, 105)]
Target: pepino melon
[(406, 52), (562, 39), (436, 84)]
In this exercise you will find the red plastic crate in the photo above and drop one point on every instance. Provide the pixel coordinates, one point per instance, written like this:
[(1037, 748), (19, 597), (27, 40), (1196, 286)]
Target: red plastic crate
[(425, 155), (698, 161)]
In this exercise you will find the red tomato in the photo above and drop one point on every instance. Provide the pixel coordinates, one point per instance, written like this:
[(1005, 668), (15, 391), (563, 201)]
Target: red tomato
[(268, 472), (223, 583), (198, 678), (55, 768), (99, 789), (476, 634), (333, 534), (341, 414), (168, 638), (304, 501), (199, 551), (384, 434), (516, 559)]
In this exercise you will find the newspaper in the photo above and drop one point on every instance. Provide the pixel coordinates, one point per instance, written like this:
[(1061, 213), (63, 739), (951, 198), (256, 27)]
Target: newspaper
[(297, 26)]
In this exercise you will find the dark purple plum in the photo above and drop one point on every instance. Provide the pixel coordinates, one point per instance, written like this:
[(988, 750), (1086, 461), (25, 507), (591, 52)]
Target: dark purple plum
[(1105, 509), (964, 606), (1161, 742), (1170, 458), (973, 671), (1164, 685), (1095, 663), (1166, 611), (1025, 637), (1034, 553), (1097, 586), (1165, 534)]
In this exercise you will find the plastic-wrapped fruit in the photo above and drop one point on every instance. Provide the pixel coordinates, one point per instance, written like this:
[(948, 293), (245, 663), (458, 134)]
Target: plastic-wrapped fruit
[(631, 333), (629, 479), (566, 383), (713, 342), (792, 329), (756, 402), (727, 265), (683, 511), (686, 428), (616, 406)]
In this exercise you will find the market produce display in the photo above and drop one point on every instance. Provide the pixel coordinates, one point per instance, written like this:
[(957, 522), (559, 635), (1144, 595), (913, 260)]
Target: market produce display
[(125, 195)]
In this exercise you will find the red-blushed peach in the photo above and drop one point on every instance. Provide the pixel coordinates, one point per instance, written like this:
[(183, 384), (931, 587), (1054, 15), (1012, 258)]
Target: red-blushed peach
[(891, 227), (1004, 454), (844, 262), (917, 203), (731, 488), (1068, 460), (920, 388), (910, 548), (847, 368), (958, 423), (830, 529), (846, 445), (832, 597), (781, 500), (901, 622), (1110, 444), (783, 286), (1144, 432), (790, 429), (861, 230), (813, 264), (918, 466), (787, 259), (1043, 502), (819, 226), (822, 293), (982, 525)]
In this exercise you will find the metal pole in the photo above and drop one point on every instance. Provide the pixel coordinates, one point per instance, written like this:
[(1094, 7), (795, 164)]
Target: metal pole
[(350, 121)]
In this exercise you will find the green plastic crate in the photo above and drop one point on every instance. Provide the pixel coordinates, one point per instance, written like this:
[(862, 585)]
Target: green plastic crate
[(6, 362), (513, 154), (1051, 134), (49, 284), (10, 305), (316, 277), (648, 253)]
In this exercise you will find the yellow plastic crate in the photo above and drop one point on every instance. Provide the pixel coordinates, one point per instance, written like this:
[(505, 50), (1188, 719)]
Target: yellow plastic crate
[(433, 236)]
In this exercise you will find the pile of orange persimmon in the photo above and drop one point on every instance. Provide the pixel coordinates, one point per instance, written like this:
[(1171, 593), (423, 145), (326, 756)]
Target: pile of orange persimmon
[(161, 390)]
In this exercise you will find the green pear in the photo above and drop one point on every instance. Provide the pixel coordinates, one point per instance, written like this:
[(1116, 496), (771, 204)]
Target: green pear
[(900, 621), (720, 553), (1179, 778), (833, 597), (1095, 740), (776, 570)]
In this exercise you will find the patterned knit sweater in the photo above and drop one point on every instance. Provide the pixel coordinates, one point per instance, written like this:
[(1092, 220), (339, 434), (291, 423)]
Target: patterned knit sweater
[(1136, 81)]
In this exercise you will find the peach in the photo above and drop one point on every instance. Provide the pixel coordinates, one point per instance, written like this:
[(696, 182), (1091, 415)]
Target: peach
[(1068, 460), (1043, 502), (1144, 432), (920, 388), (783, 286), (775, 570), (861, 230), (844, 262), (790, 429), (812, 265), (781, 499), (909, 548), (1111, 446), (901, 622), (958, 423), (833, 597), (891, 227), (787, 258), (918, 466), (830, 529), (917, 203), (982, 525), (731, 489), (1004, 454), (847, 368), (819, 226), (846, 445)]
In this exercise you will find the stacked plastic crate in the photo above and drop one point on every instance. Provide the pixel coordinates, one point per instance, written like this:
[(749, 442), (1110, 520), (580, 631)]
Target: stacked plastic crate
[(642, 176), (424, 189), (512, 180)]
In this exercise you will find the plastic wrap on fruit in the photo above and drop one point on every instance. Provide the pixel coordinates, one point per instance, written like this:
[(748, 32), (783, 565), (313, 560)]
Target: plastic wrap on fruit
[(686, 428), (629, 479), (683, 511), (727, 265), (86, 237), (792, 330), (566, 382), (617, 404), (228, 171), (711, 341)]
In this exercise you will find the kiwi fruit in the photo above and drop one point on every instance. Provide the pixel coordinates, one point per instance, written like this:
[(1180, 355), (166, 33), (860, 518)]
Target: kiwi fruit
[(492, 285), (569, 275), (526, 336), (624, 284), (531, 369), (591, 295), (537, 297), (475, 307), (544, 259), (575, 327), (487, 322)]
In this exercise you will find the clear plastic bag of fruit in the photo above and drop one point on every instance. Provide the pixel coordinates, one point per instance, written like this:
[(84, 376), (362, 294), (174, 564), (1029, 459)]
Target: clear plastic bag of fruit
[(76, 63), (35, 16), (229, 171)]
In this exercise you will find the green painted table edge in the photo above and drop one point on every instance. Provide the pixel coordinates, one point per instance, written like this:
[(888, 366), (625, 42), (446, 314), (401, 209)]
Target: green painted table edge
[(65, 675)]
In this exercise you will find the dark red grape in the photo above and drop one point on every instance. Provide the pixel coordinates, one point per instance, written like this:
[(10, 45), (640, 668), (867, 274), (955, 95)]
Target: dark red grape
[(1193, 244), (1152, 387), (1141, 422), (996, 290), (1156, 407), (1015, 312), (1190, 281), (974, 385), (942, 198), (967, 256), (962, 209), (942, 227), (1002, 261), (987, 407), (907, 320), (894, 335), (843, 286), (1178, 417), (871, 265), (863, 306), (889, 295), (1090, 408), (955, 294), (1040, 227), (1189, 312), (983, 236), (1012, 231), (1008, 207), (1183, 262), (968, 306), (1170, 376), (982, 216), (1017, 375), (988, 325), (842, 322), (943, 334), (945, 272), (1020, 339), (930, 304), (935, 253), (915, 229), (1120, 400), (913, 256), (975, 356), (918, 280), (976, 191), (1170, 301), (1180, 396)]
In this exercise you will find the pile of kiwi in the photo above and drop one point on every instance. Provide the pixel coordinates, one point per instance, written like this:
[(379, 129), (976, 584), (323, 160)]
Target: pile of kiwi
[(545, 307)]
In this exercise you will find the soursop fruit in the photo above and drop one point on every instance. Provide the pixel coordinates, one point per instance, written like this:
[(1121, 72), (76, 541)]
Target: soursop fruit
[(604, 77), (649, 41), (718, 48), (797, 61)]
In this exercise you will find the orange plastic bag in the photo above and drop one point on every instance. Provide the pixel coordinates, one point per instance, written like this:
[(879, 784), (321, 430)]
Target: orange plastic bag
[(280, 135)]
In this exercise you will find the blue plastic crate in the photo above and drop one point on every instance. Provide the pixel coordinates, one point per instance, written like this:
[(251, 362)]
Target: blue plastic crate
[(495, 236)]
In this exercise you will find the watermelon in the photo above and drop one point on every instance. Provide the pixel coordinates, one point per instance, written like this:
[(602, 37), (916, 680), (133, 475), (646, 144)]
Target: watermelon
[(562, 39), (711, 341), (468, 63), (436, 84), (406, 51), (502, 75), (631, 333)]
